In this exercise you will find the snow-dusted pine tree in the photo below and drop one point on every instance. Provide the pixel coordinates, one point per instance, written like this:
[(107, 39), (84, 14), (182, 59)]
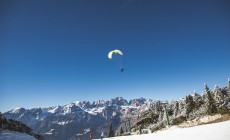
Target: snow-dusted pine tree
[(121, 131), (218, 95), (176, 109), (210, 107), (111, 131), (190, 104)]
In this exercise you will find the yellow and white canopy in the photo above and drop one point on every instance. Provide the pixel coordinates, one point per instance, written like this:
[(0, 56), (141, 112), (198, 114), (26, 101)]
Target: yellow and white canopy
[(110, 54)]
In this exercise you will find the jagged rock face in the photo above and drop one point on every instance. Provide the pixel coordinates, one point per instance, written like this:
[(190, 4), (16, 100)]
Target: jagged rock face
[(79, 119), (118, 101), (137, 102)]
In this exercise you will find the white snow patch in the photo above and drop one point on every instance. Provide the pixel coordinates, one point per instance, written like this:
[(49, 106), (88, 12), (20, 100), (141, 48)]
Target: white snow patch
[(79, 134), (11, 135), (114, 113), (127, 107), (86, 130), (90, 111), (63, 122), (53, 110), (50, 132), (96, 110), (77, 102), (16, 110), (217, 131)]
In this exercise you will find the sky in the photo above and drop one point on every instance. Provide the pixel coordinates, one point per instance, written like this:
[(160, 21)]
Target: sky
[(55, 52)]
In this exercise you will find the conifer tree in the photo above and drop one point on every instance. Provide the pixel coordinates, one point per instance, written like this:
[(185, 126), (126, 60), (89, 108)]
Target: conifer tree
[(210, 107), (121, 131), (190, 104), (198, 101), (111, 131), (158, 106)]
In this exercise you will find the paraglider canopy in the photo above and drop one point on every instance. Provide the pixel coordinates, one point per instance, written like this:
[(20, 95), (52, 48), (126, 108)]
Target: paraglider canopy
[(110, 55)]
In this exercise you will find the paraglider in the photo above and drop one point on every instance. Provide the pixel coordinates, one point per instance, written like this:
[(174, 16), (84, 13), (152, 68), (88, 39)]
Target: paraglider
[(118, 56)]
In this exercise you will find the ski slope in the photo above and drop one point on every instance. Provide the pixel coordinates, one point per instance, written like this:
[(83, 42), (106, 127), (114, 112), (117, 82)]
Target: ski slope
[(216, 131), (11, 135)]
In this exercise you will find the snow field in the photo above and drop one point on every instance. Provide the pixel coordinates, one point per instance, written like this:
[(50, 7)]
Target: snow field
[(216, 131)]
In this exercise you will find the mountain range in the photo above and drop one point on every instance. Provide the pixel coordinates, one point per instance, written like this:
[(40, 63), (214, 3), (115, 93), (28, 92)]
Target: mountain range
[(76, 120)]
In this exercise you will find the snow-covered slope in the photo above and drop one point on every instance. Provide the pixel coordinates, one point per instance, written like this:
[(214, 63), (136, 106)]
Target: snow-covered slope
[(217, 131), (10, 135)]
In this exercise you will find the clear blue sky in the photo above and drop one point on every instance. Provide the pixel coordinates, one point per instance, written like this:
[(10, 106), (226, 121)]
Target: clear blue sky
[(55, 52)]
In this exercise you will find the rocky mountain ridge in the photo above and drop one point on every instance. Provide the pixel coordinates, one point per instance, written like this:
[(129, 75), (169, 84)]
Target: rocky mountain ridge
[(78, 119)]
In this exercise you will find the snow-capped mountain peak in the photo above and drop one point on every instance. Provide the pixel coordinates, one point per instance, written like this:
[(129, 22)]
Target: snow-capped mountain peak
[(18, 110)]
